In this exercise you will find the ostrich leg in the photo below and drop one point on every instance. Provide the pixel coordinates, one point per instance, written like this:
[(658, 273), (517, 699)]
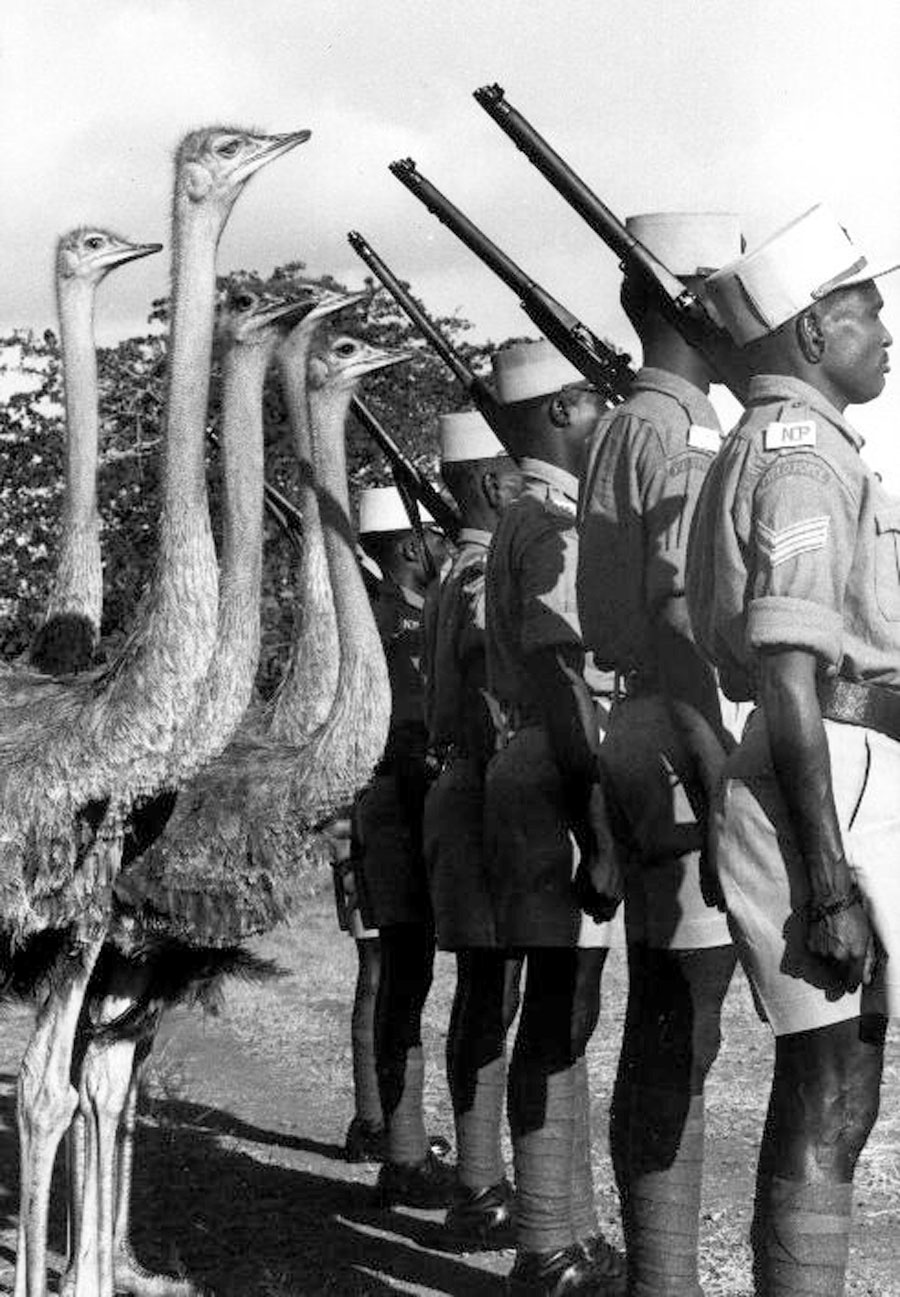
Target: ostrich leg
[(46, 1103)]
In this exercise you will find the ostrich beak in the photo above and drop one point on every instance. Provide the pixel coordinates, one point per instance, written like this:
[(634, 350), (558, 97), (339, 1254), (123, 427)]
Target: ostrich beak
[(330, 303), (292, 312), (270, 147), (373, 358), (133, 252)]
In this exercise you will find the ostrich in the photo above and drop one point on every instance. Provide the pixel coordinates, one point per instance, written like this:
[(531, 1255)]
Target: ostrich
[(75, 754), (313, 665), (228, 862), (68, 635), (252, 326)]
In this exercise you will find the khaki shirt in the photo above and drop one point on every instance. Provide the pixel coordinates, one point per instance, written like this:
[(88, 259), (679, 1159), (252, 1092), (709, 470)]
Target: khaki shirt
[(645, 466), (530, 585), (795, 544), (456, 631)]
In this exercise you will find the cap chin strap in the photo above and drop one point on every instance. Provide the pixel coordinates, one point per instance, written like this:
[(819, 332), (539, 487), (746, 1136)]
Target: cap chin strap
[(835, 282), (411, 505)]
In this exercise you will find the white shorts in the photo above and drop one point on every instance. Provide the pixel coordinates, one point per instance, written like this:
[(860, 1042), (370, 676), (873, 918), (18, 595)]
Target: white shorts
[(764, 879)]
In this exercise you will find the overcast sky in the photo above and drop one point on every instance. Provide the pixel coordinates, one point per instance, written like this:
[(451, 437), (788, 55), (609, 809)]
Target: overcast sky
[(757, 106)]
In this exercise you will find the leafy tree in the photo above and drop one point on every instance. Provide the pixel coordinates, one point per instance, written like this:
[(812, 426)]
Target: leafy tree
[(407, 400)]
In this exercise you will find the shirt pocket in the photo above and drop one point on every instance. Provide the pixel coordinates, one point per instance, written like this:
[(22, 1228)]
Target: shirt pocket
[(887, 561)]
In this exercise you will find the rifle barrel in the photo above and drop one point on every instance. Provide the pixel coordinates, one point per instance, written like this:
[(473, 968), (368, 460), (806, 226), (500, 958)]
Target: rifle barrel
[(597, 361), (404, 469), (565, 181), (477, 389)]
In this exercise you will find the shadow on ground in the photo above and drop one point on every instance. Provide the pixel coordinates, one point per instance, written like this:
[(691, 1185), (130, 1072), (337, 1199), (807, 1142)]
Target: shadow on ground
[(243, 1226)]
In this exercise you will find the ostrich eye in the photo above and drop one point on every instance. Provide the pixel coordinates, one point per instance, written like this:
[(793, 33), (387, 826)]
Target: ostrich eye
[(94, 243), (244, 302), (345, 348), (228, 148)]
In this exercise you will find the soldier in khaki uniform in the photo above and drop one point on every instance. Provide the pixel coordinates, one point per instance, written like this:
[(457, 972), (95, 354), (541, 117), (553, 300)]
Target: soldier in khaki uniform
[(794, 590), (541, 789), (482, 479), (645, 465), (389, 871)]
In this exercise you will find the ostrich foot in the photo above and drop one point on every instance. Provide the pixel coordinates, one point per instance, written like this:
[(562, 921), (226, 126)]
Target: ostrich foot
[(136, 1280)]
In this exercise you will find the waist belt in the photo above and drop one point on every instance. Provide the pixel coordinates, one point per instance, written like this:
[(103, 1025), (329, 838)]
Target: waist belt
[(872, 706)]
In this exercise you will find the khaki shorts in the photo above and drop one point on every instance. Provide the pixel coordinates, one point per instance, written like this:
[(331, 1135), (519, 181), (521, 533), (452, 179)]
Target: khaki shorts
[(764, 880), (529, 854), (454, 858), (664, 905)]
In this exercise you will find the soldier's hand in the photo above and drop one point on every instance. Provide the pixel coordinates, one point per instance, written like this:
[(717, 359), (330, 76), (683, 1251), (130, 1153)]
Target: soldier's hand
[(599, 880), (710, 886), (845, 939)]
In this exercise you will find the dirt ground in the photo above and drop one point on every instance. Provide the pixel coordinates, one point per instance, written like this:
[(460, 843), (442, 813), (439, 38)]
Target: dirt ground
[(241, 1185)]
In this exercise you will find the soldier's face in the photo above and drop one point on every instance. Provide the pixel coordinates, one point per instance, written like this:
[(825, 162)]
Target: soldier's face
[(584, 406), (855, 357)]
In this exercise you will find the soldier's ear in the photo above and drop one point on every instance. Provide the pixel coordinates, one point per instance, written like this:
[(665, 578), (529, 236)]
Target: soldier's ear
[(810, 338), (409, 549), (490, 488), (558, 411)]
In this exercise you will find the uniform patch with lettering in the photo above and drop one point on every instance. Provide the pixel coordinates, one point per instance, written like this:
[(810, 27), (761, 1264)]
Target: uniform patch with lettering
[(704, 438), (784, 543), (787, 436)]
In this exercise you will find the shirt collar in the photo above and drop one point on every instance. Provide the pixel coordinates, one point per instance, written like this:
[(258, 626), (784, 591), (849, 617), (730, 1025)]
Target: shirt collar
[(410, 597), (784, 387), (473, 536), (558, 478), (695, 402)]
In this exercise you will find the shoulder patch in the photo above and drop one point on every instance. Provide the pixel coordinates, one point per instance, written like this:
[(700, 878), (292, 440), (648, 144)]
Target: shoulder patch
[(796, 466), (701, 438), (784, 543), (683, 463), (787, 436)]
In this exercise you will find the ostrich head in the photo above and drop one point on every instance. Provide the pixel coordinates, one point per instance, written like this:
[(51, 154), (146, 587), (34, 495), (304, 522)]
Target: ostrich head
[(89, 253), (343, 362), (327, 302), (213, 164), (259, 317)]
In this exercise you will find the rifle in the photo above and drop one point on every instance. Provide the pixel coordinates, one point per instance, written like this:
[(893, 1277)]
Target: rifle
[(682, 306), (610, 373), (476, 388), (410, 480)]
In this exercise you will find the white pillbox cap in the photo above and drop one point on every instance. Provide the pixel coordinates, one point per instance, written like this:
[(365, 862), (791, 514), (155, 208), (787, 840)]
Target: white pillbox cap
[(528, 369), (796, 266), (381, 508), (688, 243), (466, 434)]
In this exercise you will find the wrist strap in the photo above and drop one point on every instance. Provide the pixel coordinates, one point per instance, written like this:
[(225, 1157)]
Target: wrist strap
[(827, 909)]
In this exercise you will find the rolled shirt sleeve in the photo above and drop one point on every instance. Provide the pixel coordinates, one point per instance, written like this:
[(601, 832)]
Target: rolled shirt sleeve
[(802, 540)]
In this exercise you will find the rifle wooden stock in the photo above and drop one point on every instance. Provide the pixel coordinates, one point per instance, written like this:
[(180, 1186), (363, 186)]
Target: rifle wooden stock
[(476, 388), (608, 371), (683, 307), (405, 472)]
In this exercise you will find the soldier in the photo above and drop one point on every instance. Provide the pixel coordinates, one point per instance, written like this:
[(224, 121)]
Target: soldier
[(646, 462), (794, 590), (482, 479), (540, 788), (389, 872)]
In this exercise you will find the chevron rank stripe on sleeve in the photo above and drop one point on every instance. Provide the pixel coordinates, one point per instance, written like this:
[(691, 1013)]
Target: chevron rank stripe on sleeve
[(780, 545)]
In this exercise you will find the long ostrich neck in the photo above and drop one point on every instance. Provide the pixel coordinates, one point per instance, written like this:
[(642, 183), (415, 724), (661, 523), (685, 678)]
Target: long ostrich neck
[(310, 682), (359, 719), (155, 683), (195, 238), (77, 585), (228, 686)]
